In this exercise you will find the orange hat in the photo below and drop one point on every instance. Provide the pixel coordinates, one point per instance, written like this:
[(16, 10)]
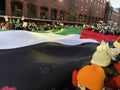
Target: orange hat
[(91, 77)]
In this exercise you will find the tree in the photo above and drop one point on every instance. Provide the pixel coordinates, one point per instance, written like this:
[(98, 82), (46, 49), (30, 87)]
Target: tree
[(17, 8), (72, 14), (32, 9), (90, 13)]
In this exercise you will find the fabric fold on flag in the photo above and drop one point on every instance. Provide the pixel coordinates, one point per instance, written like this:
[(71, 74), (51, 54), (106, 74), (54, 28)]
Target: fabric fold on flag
[(19, 38), (41, 61), (42, 66)]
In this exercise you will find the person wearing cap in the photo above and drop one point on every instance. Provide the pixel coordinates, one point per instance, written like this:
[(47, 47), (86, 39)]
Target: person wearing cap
[(116, 44), (105, 57), (90, 77), (101, 59), (114, 82), (104, 54)]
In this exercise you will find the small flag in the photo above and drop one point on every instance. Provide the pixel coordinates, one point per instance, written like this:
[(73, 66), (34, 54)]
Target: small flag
[(6, 18)]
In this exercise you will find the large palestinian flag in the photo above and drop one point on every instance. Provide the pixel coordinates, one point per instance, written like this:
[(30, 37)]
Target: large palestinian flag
[(86, 33), (41, 61)]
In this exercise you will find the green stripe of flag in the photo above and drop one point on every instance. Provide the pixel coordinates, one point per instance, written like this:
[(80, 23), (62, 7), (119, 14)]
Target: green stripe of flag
[(63, 31)]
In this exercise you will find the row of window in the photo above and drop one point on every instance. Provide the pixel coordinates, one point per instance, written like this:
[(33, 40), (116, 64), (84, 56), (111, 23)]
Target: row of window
[(17, 10)]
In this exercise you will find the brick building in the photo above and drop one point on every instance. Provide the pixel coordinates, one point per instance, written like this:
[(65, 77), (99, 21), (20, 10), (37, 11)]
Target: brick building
[(111, 14), (89, 11), (115, 15)]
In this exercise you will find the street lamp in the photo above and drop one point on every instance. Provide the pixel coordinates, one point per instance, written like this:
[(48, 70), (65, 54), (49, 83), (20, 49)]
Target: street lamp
[(60, 0)]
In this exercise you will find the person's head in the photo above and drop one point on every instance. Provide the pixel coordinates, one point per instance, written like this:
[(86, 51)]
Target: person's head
[(91, 77), (104, 54), (117, 43)]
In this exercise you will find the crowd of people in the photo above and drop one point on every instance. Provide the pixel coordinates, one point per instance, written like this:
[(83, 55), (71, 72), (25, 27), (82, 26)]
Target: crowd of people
[(109, 28), (103, 70), (98, 74), (19, 24), (28, 25)]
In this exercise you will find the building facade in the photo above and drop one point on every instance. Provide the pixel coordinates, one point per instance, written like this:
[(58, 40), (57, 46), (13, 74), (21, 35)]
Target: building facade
[(115, 15), (89, 11), (111, 14), (108, 12)]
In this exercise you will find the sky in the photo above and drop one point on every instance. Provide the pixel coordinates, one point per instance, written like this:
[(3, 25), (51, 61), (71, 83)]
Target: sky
[(115, 3)]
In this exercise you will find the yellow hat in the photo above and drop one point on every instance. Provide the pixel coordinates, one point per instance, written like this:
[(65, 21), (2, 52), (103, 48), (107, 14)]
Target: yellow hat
[(101, 56), (91, 77), (104, 54)]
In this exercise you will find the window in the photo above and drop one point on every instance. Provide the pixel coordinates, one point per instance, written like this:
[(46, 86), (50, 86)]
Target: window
[(53, 14), (62, 15), (17, 8), (43, 13), (81, 18), (32, 10), (54, 1), (2, 7), (98, 5)]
